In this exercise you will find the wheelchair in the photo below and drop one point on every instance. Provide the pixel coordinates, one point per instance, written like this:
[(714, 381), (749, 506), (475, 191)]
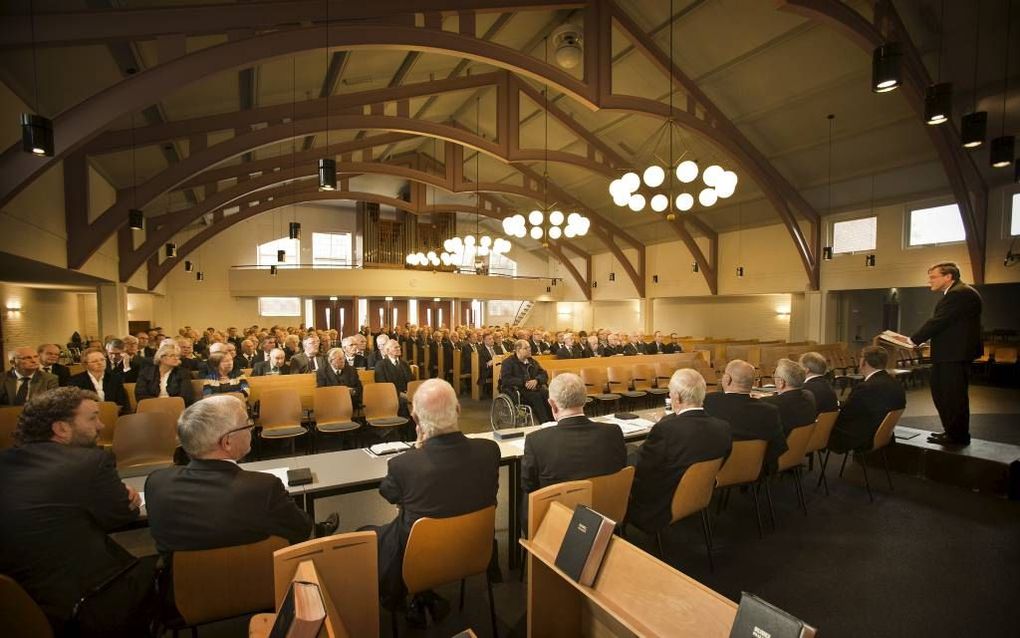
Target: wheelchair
[(508, 412)]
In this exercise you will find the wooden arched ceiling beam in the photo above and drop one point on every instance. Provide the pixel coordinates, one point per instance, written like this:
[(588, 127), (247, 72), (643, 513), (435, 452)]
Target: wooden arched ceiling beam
[(969, 187), (83, 122)]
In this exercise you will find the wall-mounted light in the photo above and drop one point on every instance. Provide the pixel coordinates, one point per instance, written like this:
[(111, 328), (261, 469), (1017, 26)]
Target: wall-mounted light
[(171, 249), (136, 219), (612, 276), (389, 298), (827, 253), (869, 261), (783, 312), (295, 230), (740, 271), (188, 266), (334, 298), (13, 307), (436, 299), (594, 284)]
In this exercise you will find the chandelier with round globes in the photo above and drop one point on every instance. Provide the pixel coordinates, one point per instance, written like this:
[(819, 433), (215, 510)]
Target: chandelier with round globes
[(543, 227), (656, 188), (458, 251)]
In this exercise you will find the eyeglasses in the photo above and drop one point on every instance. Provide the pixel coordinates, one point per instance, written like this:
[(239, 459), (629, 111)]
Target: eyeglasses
[(247, 426)]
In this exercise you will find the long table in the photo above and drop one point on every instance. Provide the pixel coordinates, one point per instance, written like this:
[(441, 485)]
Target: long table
[(347, 471)]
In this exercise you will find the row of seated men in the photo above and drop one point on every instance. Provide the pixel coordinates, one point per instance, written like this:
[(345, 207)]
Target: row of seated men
[(62, 494)]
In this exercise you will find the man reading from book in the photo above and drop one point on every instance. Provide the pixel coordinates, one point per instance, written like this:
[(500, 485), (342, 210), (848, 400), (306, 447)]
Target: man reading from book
[(577, 448)]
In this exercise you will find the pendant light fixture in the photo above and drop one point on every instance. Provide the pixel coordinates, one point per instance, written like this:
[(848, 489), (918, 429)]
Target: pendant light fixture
[(327, 165), (188, 266), (661, 188), (938, 98), (1003, 147), (136, 218), (827, 250), (199, 276), (294, 232), (36, 130), (885, 67), (272, 271), (548, 222), (974, 125), (171, 250)]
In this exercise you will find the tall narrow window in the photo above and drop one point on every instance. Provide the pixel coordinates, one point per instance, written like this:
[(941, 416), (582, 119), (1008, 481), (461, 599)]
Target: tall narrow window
[(937, 225), (328, 318), (1014, 216)]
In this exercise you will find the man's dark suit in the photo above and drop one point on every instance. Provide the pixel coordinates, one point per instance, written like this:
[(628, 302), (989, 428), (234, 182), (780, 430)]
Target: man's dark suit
[(750, 419), (61, 372), (214, 503), (178, 384), (864, 410), (629, 350), (449, 475), (348, 376), (825, 396), (399, 375), (358, 361), (465, 356), (674, 444), (587, 352), (242, 361), (39, 383), (113, 388), (264, 368), (194, 365), (508, 345), (575, 448), (955, 334), (515, 373), (131, 376), (302, 364), (573, 352), (796, 408), (484, 370), (659, 348), (57, 505)]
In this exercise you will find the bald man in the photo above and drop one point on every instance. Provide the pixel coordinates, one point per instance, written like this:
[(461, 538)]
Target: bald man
[(749, 418)]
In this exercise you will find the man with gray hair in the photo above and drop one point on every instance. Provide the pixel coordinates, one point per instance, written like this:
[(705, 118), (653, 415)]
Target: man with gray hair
[(749, 419), (275, 364), (816, 383), (676, 442), (211, 502), (446, 474), (796, 405), (309, 360), (379, 352), (577, 448)]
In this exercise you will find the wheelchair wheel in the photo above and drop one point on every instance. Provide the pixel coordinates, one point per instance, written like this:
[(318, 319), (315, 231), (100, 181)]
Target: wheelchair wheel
[(503, 413)]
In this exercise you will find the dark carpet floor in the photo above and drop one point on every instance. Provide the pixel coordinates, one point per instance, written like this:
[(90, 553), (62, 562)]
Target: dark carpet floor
[(1001, 428)]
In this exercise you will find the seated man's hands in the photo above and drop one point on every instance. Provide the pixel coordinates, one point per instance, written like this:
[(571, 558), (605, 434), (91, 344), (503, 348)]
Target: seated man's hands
[(532, 384)]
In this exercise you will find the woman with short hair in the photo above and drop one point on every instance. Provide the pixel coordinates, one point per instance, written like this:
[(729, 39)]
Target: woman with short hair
[(166, 378), (222, 377)]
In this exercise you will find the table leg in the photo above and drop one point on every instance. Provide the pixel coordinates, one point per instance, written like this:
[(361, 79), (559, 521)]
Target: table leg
[(514, 522)]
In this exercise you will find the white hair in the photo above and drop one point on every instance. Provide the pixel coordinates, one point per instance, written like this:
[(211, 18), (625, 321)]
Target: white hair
[(203, 424), (814, 362), (435, 408), (688, 386), (741, 374), (567, 390), (791, 372)]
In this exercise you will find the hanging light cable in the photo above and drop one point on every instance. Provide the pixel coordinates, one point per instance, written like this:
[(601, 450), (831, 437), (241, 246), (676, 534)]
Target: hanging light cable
[(974, 125), (36, 130), (327, 165), (827, 250), (136, 219), (1003, 147)]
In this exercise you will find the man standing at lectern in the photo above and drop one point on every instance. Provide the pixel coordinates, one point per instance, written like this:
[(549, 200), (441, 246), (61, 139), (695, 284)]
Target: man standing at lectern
[(955, 333)]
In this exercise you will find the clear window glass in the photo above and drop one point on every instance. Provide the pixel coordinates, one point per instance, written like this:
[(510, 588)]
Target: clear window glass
[(855, 235), (331, 250), (280, 306), (937, 225)]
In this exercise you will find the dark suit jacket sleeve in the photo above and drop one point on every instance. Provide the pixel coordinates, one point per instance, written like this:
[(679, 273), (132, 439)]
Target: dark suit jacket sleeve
[(143, 386), (108, 498), (284, 517), (952, 308), (186, 390), (390, 488), (541, 374), (511, 374), (529, 467), (650, 457)]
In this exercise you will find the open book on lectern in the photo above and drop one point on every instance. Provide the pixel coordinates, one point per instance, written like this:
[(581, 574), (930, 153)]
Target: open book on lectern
[(896, 339)]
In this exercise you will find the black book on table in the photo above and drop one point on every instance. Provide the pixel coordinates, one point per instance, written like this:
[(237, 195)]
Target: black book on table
[(584, 545), (757, 618), (299, 476)]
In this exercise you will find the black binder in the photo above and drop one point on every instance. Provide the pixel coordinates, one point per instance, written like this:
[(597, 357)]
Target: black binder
[(757, 618), (299, 476), (584, 545)]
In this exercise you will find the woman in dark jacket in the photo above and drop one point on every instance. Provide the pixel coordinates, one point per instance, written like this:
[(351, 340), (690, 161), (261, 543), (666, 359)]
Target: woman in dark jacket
[(222, 376), (167, 378)]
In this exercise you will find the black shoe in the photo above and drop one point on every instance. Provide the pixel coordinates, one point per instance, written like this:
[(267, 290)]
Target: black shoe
[(437, 606), (415, 615), (328, 526), (938, 437), (945, 440)]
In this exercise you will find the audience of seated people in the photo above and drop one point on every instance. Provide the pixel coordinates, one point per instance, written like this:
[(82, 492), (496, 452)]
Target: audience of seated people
[(338, 372), (25, 380), (868, 403), (276, 364), (99, 378), (749, 419), (222, 377)]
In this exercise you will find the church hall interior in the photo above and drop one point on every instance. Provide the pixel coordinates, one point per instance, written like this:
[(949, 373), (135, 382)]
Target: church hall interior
[(685, 183)]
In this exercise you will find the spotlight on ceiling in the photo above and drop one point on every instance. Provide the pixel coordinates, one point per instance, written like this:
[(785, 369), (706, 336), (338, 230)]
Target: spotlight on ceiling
[(327, 174), (36, 135), (885, 67), (136, 219), (1001, 153), (568, 52), (973, 129), (938, 102)]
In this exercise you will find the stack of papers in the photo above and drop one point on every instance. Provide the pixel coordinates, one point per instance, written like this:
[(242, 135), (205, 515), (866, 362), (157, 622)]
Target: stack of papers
[(629, 426), (381, 449)]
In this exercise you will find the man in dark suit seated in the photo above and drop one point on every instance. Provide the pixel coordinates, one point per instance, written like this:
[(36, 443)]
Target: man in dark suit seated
[(796, 405), (446, 474), (468, 348), (749, 419), (308, 360), (352, 354), (392, 369), (576, 448), (123, 358), (107, 385), (522, 374), (61, 496), (246, 357), (868, 403), (337, 372), (569, 349), (816, 383), (590, 347), (275, 364), (486, 353), (49, 355), (676, 442), (24, 380), (658, 346), (379, 352), (211, 502)]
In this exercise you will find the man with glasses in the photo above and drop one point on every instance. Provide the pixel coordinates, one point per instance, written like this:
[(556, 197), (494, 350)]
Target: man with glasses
[(211, 502)]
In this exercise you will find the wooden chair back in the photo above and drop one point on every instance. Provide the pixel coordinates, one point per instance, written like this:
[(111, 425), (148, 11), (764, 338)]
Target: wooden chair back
[(610, 493), (9, 416), (20, 616), (619, 378), (381, 400), (570, 493), (173, 406), (366, 376), (333, 404), (279, 408), (595, 380), (108, 412), (823, 429), (146, 439), (643, 376), (663, 372), (432, 558), (215, 584), (884, 433), (694, 491), (197, 387), (797, 442), (129, 388), (412, 387), (348, 567), (743, 465)]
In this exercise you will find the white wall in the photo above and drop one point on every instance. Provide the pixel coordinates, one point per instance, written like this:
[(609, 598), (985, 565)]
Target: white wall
[(46, 316)]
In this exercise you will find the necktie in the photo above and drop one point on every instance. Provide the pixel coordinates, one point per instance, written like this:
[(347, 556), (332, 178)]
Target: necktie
[(48, 370), (22, 395), (275, 370)]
